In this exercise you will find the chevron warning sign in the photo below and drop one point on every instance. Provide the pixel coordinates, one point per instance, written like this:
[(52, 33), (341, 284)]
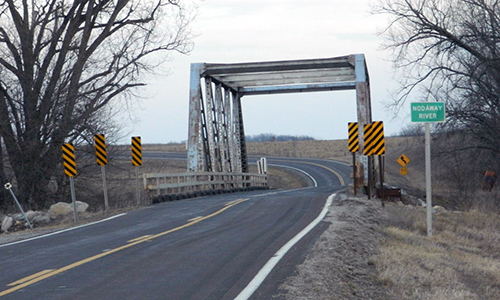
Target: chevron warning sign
[(136, 151), (100, 150), (353, 142), (69, 160), (368, 140), (378, 141), (374, 142)]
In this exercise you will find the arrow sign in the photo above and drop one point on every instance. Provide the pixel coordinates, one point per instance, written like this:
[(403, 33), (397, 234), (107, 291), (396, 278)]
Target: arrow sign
[(403, 160)]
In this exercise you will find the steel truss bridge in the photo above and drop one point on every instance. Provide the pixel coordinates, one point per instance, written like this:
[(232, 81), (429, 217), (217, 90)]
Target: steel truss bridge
[(216, 141)]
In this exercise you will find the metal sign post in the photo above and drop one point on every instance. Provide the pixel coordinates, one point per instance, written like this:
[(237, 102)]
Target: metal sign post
[(381, 171), (374, 144), (70, 171), (8, 187), (367, 151), (428, 112), (353, 146), (105, 189), (73, 198), (378, 148), (137, 189), (102, 160), (137, 162), (428, 181)]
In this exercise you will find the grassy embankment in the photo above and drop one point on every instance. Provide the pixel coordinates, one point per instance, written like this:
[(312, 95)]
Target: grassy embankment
[(461, 260)]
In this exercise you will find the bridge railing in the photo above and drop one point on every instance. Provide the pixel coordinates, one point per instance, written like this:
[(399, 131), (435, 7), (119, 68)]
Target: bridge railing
[(193, 184)]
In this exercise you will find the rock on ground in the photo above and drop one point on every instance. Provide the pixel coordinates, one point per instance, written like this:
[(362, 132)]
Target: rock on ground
[(41, 219), (7, 223), (63, 208)]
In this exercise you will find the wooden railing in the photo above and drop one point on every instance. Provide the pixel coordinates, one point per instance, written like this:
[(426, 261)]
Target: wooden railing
[(192, 184)]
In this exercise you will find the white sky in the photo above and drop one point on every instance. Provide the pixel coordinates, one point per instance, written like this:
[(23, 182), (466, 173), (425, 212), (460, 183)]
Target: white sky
[(233, 31)]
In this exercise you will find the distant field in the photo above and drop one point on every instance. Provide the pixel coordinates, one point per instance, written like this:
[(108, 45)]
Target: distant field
[(333, 149)]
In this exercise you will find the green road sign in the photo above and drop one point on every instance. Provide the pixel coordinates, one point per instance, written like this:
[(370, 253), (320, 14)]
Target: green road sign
[(427, 112)]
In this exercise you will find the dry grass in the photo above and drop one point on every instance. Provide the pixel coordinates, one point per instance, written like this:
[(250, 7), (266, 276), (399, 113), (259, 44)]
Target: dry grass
[(310, 149), (461, 260), (284, 178), (121, 183)]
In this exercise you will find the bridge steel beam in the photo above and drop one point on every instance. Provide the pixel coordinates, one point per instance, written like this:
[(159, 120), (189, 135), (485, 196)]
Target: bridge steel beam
[(215, 134), (216, 139)]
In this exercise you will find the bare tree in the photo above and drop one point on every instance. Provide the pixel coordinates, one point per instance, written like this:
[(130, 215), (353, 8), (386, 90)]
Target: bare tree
[(63, 62), (448, 51)]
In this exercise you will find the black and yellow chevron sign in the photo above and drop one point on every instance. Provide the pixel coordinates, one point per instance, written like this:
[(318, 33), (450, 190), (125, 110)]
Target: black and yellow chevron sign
[(100, 150), (368, 140), (69, 160), (352, 129), (378, 142), (374, 139), (136, 151)]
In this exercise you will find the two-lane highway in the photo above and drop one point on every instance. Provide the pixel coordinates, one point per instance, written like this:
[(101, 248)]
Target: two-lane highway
[(200, 248)]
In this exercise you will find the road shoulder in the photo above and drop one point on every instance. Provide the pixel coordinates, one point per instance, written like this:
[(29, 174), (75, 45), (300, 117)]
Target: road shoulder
[(340, 263)]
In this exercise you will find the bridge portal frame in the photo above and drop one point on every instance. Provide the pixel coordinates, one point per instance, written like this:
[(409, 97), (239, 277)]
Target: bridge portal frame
[(216, 137)]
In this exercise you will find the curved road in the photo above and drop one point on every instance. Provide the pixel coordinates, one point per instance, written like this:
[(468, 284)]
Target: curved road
[(200, 248)]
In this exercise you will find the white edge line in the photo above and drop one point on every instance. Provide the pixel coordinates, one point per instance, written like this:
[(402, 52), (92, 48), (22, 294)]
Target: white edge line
[(271, 263), (307, 174), (61, 231)]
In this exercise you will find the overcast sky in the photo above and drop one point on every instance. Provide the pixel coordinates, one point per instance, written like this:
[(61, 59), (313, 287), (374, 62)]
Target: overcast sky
[(233, 31)]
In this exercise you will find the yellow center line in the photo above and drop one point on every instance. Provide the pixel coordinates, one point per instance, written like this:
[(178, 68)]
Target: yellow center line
[(140, 238), (30, 277), (235, 202), (194, 219), (27, 281)]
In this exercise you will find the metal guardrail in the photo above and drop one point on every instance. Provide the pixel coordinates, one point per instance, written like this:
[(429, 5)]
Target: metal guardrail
[(158, 184)]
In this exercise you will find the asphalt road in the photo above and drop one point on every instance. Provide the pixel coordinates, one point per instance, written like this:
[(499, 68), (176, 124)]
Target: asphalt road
[(200, 248)]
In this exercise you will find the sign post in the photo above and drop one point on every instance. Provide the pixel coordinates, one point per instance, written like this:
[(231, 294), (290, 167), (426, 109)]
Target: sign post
[(70, 171), (428, 112), (353, 146), (378, 145), (137, 162), (8, 187), (374, 144), (367, 151), (102, 160)]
